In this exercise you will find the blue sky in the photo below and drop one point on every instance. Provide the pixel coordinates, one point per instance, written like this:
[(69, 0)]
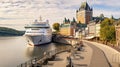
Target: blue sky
[(25, 11)]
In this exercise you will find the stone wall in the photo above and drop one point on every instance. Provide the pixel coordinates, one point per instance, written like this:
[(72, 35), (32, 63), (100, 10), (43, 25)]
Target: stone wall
[(65, 40)]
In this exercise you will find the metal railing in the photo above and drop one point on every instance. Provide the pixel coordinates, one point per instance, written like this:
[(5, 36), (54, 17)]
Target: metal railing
[(39, 61)]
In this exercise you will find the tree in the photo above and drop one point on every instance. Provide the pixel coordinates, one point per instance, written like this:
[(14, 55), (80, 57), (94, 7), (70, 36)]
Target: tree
[(107, 31), (56, 26)]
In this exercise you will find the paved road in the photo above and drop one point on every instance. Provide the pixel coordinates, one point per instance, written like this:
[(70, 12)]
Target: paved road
[(98, 57)]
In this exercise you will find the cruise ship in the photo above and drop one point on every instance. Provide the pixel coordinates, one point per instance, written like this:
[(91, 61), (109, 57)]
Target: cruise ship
[(39, 32)]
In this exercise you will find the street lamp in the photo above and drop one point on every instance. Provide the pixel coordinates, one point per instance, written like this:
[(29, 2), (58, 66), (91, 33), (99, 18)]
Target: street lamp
[(80, 35)]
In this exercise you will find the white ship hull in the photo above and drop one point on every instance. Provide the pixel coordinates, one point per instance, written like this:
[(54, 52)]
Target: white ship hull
[(38, 39), (38, 33)]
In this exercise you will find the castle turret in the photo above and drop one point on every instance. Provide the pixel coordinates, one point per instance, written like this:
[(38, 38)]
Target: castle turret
[(84, 13)]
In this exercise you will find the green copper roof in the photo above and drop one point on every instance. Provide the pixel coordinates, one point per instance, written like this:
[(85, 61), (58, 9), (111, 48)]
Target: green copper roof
[(85, 6), (81, 25), (65, 25)]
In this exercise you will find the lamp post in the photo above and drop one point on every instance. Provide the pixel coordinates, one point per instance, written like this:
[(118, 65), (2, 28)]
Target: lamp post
[(80, 35), (95, 32)]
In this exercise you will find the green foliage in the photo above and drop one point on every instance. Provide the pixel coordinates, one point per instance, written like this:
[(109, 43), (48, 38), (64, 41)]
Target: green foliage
[(118, 22), (56, 26), (107, 31), (10, 32), (105, 22)]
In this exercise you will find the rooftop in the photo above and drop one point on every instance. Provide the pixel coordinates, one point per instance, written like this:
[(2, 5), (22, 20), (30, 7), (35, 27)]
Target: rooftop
[(85, 6)]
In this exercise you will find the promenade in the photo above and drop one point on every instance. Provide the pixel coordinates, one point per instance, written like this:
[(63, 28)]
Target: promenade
[(91, 54), (98, 58), (59, 61), (83, 57), (88, 56), (112, 55), (80, 58)]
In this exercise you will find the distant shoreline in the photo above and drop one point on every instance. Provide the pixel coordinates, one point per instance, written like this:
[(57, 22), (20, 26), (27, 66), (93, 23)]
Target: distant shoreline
[(4, 31)]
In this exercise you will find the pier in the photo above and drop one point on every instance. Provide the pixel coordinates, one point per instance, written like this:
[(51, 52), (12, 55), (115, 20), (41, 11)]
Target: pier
[(65, 39)]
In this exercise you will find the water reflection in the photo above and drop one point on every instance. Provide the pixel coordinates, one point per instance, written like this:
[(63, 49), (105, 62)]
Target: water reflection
[(14, 50), (32, 52), (36, 51)]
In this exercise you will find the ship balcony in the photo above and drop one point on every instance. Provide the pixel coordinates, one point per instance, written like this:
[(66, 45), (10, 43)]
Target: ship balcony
[(33, 34)]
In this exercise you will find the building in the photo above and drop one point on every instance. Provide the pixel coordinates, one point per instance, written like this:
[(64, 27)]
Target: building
[(84, 13), (81, 28), (98, 29), (67, 30), (93, 29)]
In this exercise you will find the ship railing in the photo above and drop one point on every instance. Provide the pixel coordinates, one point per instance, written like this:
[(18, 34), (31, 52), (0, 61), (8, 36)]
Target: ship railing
[(40, 60)]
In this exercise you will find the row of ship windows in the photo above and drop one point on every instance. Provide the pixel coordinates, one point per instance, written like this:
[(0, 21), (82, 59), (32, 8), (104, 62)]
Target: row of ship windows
[(35, 29), (34, 32)]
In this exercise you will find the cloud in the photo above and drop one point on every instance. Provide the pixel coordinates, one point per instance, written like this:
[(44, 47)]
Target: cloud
[(53, 10), (36, 7), (106, 13)]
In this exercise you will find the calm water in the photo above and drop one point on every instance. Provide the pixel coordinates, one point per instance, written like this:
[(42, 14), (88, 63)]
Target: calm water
[(14, 50)]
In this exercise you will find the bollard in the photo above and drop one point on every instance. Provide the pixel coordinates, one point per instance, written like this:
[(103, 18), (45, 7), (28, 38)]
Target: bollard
[(26, 64), (21, 65)]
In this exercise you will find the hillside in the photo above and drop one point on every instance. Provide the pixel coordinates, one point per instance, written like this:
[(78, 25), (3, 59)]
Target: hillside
[(10, 32)]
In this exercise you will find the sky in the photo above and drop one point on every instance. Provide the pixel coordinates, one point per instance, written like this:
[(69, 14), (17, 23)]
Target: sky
[(26, 11)]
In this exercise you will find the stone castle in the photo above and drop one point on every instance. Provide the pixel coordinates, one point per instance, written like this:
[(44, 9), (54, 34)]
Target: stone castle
[(84, 13)]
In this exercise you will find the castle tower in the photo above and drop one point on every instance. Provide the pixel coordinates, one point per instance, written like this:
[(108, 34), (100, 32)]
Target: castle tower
[(84, 14)]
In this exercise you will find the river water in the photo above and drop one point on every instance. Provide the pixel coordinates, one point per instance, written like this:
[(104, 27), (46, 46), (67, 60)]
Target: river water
[(14, 50)]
